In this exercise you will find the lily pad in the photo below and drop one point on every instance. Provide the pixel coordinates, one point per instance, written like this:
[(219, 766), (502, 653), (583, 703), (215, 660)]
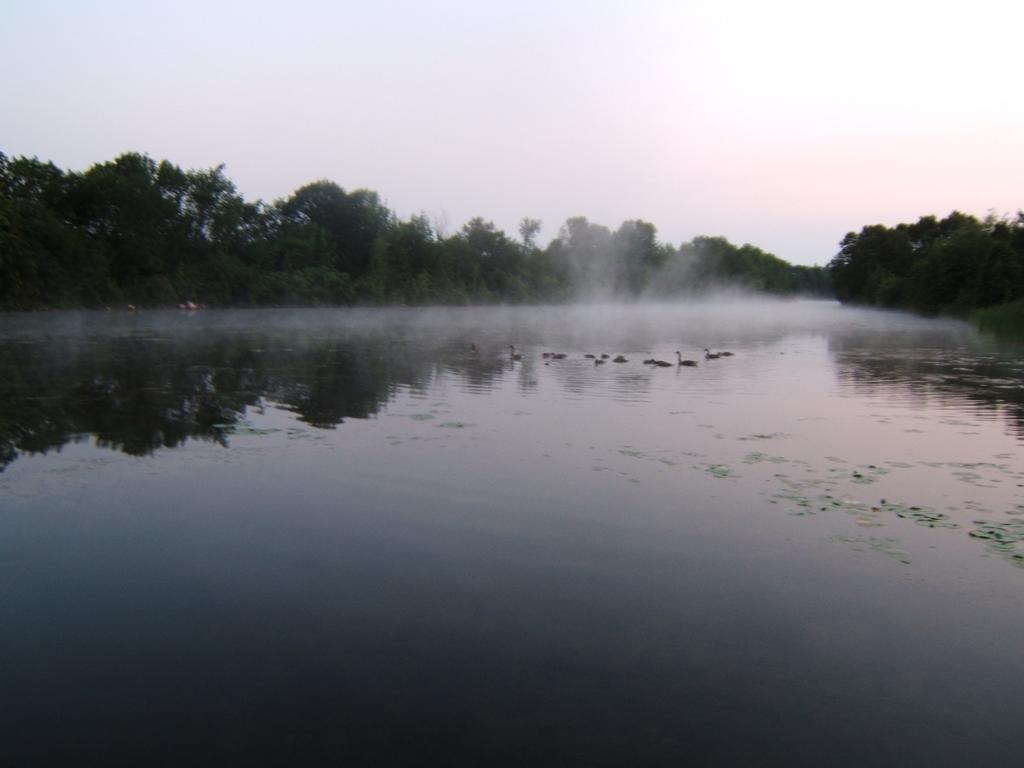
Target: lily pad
[(999, 532), (720, 470), (923, 516), (1001, 538)]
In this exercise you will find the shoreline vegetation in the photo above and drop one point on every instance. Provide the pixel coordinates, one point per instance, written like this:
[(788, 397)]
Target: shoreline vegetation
[(141, 233), (1005, 320), (959, 266)]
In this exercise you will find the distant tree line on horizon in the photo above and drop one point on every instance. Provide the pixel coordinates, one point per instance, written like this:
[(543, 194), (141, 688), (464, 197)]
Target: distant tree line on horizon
[(953, 265), (135, 231)]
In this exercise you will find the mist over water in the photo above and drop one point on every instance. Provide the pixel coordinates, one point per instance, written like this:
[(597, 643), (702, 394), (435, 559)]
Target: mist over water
[(374, 537), (727, 316)]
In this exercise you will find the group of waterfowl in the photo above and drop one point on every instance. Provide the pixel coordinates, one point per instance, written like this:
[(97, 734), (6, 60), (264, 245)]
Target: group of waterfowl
[(603, 357), (709, 355)]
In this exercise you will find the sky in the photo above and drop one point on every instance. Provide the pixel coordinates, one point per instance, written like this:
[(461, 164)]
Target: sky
[(785, 124)]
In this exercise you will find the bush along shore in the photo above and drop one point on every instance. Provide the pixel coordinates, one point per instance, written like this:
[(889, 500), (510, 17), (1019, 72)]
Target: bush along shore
[(1002, 320)]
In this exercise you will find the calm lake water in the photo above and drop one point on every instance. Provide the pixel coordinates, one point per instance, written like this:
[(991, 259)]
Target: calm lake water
[(344, 538)]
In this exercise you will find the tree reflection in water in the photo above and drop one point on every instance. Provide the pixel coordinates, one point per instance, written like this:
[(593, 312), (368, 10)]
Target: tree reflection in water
[(925, 371), (137, 383), (137, 395)]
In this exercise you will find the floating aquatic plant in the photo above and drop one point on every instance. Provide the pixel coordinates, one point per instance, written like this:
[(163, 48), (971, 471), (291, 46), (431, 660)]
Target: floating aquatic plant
[(720, 470), (886, 546), (765, 436), (803, 503), (866, 474), (923, 516), (1001, 537), (1008, 532), (759, 458)]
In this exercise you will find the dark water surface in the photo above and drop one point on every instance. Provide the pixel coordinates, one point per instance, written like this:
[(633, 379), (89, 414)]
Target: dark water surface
[(344, 538)]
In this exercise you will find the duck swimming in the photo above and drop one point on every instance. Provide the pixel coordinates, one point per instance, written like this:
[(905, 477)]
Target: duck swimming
[(679, 357), (708, 355), (513, 354), (620, 359)]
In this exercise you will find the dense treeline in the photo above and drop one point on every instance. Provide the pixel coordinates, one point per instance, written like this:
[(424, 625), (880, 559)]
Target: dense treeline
[(955, 265), (134, 231)]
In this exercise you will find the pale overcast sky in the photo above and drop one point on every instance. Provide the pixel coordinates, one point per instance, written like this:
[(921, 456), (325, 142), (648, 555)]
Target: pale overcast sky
[(784, 124)]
